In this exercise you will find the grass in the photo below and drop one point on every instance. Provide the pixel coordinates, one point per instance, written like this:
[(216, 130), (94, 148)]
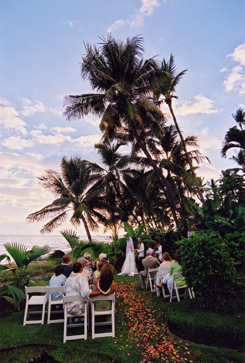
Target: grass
[(142, 335)]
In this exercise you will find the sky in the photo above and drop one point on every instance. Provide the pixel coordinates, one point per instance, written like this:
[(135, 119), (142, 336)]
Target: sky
[(41, 49)]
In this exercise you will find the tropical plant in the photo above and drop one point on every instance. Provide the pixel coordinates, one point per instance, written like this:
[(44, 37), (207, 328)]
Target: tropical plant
[(22, 258), (214, 267), (165, 87), (76, 194), (79, 246), (124, 83), (235, 138)]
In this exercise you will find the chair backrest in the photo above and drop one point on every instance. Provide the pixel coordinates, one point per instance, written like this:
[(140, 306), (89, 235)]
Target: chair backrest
[(55, 289), (33, 289), (177, 275), (69, 299), (110, 297), (152, 271)]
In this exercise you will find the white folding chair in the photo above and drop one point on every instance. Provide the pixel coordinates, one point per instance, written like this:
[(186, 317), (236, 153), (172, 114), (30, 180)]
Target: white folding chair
[(58, 303), (38, 300), (175, 288), (150, 277), (164, 289), (84, 317), (110, 312)]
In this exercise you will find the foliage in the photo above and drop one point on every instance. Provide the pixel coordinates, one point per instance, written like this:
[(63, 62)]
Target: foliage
[(13, 292), (224, 208), (214, 267)]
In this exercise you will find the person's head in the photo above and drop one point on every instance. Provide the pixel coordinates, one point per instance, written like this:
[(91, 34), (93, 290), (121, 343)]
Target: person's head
[(87, 256), (83, 261), (102, 256), (106, 276), (101, 264), (166, 257), (59, 270), (149, 252), (139, 240), (177, 257), (66, 258), (77, 266)]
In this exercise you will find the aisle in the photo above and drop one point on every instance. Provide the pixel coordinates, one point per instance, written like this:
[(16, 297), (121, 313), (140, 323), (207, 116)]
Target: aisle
[(148, 328)]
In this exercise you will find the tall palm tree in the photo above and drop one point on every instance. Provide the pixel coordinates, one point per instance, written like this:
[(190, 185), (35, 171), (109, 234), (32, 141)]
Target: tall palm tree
[(74, 193), (124, 81), (110, 181), (166, 85), (235, 138)]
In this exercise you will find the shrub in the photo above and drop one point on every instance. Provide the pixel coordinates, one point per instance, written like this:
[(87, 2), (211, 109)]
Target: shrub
[(214, 267)]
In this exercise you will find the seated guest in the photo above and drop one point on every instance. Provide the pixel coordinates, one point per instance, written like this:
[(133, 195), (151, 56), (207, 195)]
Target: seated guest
[(67, 267), (163, 271), (85, 271), (105, 285), (175, 267), (77, 284), (99, 267), (58, 279), (148, 262), (87, 256), (103, 256)]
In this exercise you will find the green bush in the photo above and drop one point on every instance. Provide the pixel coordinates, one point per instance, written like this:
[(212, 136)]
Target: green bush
[(214, 267)]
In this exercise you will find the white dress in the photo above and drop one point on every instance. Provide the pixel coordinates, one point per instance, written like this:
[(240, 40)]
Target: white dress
[(129, 266)]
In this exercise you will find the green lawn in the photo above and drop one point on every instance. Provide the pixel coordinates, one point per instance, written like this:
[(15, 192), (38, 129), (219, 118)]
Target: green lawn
[(142, 335)]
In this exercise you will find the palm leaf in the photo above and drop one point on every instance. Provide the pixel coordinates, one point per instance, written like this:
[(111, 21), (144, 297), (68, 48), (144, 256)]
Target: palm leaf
[(17, 251), (71, 237)]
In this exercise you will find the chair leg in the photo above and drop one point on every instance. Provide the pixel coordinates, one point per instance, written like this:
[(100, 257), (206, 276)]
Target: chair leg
[(49, 313), (25, 314), (65, 326), (177, 294)]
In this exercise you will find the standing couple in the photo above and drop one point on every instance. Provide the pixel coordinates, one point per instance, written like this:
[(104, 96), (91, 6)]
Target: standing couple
[(129, 266)]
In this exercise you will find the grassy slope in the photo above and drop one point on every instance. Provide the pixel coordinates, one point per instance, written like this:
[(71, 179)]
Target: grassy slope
[(119, 349)]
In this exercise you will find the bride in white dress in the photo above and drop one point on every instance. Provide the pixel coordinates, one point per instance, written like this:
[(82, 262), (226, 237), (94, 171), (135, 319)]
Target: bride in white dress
[(129, 266)]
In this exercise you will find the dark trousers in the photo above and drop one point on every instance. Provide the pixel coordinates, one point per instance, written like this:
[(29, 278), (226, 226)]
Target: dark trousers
[(140, 266)]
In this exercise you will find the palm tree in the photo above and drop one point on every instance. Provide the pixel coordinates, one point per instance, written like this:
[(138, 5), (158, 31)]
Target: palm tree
[(124, 81), (235, 138), (167, 82), (75, 193), (110, 180)]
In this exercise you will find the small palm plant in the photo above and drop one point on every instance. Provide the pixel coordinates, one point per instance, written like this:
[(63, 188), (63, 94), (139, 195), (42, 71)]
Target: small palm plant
[(13, 292)]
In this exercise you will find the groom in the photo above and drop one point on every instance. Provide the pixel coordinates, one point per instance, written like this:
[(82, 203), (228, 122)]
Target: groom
[(141, 254)]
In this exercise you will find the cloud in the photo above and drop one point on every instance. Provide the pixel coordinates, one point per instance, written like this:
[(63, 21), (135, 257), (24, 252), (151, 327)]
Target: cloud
[(29, 109), (71, 23), (207, 141), (61, 130), (10, 117), (87, 141), (146, 9), (92, 121), (235, 80), (201, 105), (239, 54), (17, 143)]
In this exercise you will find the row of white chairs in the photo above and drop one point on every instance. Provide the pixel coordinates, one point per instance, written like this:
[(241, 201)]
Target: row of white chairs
[(69, 320), (175, 289)]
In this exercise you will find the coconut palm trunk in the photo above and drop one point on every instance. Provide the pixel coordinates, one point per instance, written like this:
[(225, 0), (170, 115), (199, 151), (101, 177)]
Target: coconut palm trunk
[(169, 103)]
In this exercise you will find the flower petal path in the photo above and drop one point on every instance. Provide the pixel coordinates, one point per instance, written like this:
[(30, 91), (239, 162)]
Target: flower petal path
[(148, 328)]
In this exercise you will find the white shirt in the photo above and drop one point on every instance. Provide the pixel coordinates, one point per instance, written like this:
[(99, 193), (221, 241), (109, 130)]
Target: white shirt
[(141, 250), (159, 252)]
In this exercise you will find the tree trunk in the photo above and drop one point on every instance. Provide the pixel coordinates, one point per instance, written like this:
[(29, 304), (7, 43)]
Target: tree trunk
[(169, 193), (169, 103), (86, 228)]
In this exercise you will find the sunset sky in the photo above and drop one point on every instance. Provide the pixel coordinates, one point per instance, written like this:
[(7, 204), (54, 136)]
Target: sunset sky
[(41, 49)]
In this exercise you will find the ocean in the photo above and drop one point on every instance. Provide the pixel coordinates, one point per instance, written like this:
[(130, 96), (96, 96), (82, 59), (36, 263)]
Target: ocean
[(55, 242)]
